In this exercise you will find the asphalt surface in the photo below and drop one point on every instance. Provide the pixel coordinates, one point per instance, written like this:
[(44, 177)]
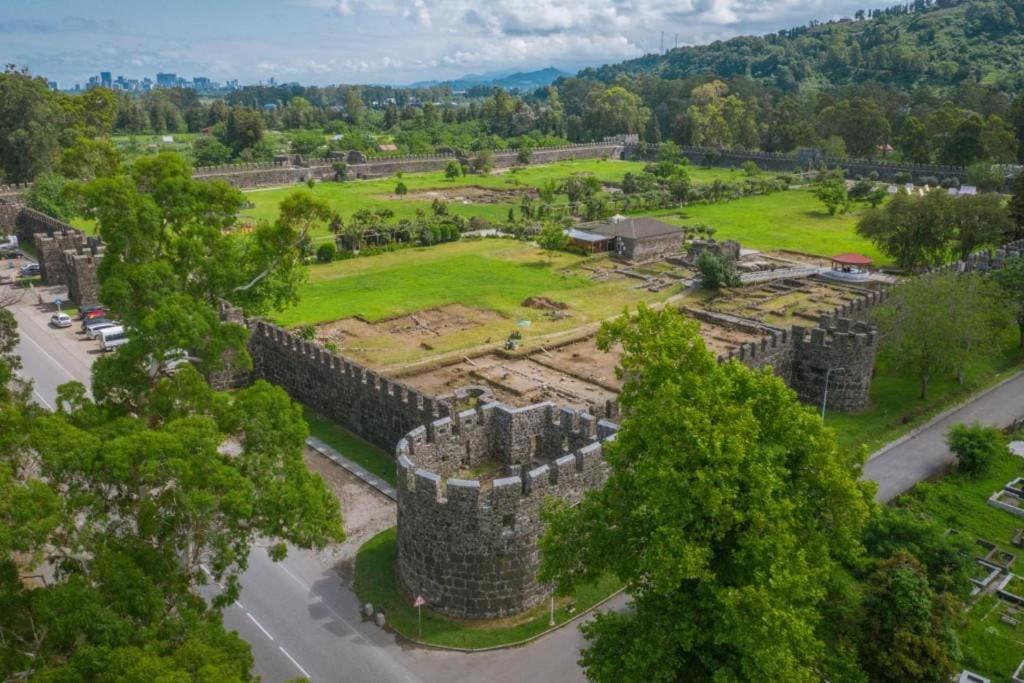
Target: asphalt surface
[(302, 618), (924, 454)]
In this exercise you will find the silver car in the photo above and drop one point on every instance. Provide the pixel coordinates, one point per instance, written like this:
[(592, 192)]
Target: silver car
[(93, 327)]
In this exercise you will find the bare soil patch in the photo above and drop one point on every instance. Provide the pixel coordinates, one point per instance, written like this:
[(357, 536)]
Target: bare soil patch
[(366, 511), (543, 303), (467, 194), (516, 381), (407, 331)]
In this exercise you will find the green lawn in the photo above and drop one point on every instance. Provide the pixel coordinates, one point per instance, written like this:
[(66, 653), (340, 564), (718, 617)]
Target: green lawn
[(351, 446), (792, 220), (375, 583), (493, 274), (895, 406), (349, 197)]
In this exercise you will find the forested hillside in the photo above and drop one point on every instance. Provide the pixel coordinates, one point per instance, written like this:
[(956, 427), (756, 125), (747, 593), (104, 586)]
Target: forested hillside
[(938, 43)]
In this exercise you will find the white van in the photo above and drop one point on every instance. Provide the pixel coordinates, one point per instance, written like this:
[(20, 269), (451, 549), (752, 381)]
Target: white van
[(112, 337)]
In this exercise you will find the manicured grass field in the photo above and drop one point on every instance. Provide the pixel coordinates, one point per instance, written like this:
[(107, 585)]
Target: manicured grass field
[(896, 408), (493, 274), (348, 197), (792, 220), (375, 583)]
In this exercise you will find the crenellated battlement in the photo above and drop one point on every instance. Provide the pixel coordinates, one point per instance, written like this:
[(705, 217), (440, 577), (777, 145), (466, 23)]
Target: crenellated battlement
[(377, 408), (467, 543)]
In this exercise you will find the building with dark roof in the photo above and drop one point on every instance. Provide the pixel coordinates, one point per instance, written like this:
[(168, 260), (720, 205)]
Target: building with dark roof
[(637, 239)]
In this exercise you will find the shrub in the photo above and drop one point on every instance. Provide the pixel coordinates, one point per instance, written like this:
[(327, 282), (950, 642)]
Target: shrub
[(452, 170), (401, 190), (325, 253), (904, 177), (750, 168), (975, 447), (340, 171), (716, 272)]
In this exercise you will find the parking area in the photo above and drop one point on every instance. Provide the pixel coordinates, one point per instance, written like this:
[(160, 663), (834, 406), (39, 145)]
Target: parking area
[(49, 355)]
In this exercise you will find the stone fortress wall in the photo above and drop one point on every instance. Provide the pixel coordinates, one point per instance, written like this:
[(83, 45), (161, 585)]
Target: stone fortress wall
[(376, 408), (469, 546), (67, 256), (297, 169)]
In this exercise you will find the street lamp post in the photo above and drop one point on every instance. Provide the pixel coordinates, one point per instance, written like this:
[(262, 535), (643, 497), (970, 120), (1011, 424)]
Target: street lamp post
[(824, 398)]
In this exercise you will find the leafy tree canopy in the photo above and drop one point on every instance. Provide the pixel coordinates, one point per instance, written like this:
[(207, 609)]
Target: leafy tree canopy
[(727, 507)]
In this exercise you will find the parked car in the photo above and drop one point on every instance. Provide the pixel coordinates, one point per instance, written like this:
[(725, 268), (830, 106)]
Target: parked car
[(61, 320), (172, 360), (112, 337), (95, 319), (97, 312), (29, 270), (93, 330), (85, 311)]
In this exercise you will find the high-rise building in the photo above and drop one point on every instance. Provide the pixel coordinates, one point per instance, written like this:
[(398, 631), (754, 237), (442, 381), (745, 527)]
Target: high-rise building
[(105, 80), (167, 80)]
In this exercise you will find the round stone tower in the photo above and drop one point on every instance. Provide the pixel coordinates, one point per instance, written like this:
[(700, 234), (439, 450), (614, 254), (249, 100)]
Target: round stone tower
[(470, 490)]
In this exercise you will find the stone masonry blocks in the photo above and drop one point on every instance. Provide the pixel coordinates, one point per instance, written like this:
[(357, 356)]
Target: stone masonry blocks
[(469, 547)]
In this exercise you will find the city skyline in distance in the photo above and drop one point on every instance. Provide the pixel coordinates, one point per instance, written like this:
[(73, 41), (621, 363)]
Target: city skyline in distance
[(321, 42)]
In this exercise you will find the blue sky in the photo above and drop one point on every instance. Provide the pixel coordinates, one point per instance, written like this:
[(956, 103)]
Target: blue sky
[(369, 41)]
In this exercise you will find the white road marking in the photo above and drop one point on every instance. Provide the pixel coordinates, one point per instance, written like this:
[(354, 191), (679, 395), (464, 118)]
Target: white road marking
[(26, 337), (259, 626), (39, 397), (292, 659), (238, 604)]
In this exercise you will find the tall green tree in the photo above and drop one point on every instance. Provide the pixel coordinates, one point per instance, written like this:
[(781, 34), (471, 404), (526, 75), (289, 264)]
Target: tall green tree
[(939, 323), (1011, 279), (172, 256), (915, 232), (727, 507), (908, 634)]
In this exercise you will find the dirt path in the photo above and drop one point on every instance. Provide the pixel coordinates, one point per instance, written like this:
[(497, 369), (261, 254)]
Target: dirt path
[(366, 511)]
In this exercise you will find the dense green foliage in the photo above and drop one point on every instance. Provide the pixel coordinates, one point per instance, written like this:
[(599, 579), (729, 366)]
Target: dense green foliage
[(976, 447), (170, 260), (919, 232), (941, 322), (716, 272), (727, 512), (934, 43)]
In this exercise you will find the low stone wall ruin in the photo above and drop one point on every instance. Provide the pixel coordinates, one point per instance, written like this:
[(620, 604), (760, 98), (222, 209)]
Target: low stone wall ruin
[(469, 547)]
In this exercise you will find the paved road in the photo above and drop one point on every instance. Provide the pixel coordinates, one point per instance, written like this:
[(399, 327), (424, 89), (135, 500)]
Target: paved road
[(302, 619), (923, 455), (49, 357)]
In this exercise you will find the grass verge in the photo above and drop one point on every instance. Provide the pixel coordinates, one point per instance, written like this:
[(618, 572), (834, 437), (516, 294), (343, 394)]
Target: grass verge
[(895, 406), (375, 583), (351, 446)]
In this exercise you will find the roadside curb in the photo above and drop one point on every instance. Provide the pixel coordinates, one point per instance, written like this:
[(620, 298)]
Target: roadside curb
[(914, 433), (355, 469), (518, 643)]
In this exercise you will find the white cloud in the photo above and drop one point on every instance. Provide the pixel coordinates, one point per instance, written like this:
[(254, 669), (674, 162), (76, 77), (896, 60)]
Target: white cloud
[(396, 41)]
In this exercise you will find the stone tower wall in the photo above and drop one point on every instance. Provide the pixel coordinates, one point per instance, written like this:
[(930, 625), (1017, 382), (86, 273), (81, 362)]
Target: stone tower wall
[(81, 268), (848, 349), (469, 547)]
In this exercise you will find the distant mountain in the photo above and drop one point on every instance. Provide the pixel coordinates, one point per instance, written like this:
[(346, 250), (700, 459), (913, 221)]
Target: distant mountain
[(936, 43), (519, 80)]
